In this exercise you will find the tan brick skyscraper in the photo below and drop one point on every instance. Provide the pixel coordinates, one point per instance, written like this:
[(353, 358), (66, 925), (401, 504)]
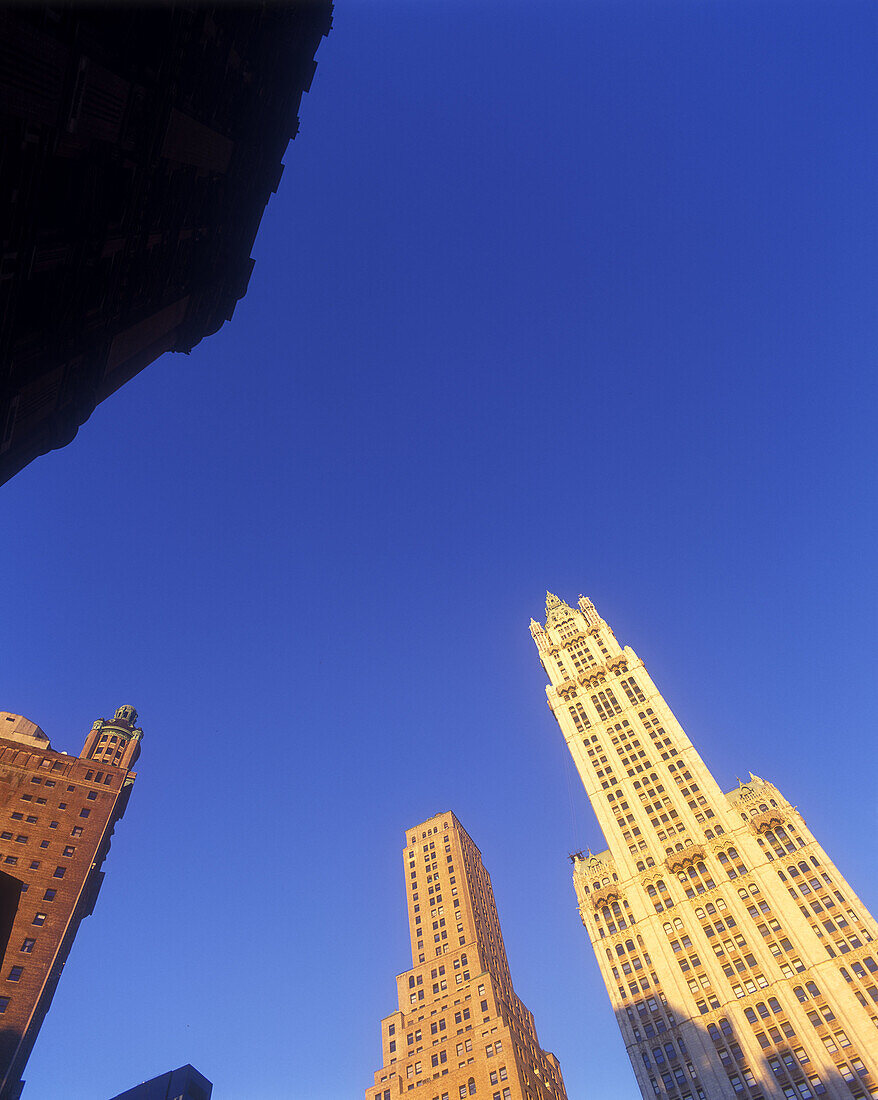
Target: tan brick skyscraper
[(739, 961), (57, 814), (460, 1030)]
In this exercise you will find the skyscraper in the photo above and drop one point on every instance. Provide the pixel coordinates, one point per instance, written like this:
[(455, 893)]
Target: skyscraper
[(739, 961), (460, 1030), (57, 814)]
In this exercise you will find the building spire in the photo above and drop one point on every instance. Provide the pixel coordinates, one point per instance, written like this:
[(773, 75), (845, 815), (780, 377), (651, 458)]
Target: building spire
[(589, 610)]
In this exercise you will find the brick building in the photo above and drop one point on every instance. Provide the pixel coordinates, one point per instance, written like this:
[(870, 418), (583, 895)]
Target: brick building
[(740, 963), (460, 1029), (57, 815), (139, 145)]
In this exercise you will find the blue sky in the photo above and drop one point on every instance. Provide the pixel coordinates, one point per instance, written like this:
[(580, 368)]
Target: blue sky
[(570, 295)]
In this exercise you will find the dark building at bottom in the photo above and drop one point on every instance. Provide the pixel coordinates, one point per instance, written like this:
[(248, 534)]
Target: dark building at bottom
[(185, 1083), (139, 146), (57, 815)]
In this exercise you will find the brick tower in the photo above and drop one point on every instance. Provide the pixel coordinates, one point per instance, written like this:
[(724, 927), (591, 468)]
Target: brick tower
[(460, 1029), (739, 961), (57, 814)]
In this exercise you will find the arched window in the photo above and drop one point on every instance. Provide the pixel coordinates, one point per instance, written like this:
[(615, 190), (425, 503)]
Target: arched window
[(773, 1004), (812, 989), (471, 1085), (620, 950)]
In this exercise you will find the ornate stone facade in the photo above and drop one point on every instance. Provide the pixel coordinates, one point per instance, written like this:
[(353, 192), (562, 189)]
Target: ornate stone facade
[(739, 961)]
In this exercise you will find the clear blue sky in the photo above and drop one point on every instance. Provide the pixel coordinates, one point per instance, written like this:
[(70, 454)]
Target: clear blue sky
[(567, 295)]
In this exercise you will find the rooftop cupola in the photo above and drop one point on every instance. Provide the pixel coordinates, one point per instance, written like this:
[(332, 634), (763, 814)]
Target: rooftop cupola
[(116, 740)]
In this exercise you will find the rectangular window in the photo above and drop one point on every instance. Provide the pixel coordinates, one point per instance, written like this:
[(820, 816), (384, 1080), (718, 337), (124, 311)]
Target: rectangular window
[(15, 973), (28, 946)]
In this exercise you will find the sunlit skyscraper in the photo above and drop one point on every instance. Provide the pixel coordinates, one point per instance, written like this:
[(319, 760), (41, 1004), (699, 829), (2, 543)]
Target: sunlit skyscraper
[(738, 960), (460, 1030)]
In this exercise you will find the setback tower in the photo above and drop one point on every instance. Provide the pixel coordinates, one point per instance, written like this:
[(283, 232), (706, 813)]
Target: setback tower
[(739, 961), (460, 1030), (57, 814)]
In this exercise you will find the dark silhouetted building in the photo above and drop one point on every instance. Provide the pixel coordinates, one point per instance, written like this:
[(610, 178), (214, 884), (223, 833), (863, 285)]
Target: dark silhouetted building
[(184, 1083), (138, 149), (57, 815)]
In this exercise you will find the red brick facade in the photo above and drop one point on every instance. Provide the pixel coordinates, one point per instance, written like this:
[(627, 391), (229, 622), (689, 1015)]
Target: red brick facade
[(57, 814)]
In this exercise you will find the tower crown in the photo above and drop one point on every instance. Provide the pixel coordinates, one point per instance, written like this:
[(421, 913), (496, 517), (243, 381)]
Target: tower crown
[(128, 715), (115, 740), (557, 611)]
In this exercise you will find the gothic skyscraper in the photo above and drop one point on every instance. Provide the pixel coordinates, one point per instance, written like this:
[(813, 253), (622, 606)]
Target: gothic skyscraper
[(460, 1029), (739, 961)]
